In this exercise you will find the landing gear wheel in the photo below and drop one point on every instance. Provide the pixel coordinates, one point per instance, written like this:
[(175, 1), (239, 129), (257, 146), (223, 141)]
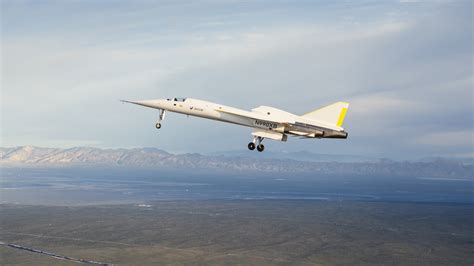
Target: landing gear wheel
[(260, 147), (158, 125), (251, 146)]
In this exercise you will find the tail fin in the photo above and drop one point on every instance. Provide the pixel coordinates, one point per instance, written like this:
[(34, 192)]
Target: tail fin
[(332, 114)]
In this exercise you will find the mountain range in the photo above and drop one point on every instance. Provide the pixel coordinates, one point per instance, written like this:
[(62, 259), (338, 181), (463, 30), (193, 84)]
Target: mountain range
[(153, 158)]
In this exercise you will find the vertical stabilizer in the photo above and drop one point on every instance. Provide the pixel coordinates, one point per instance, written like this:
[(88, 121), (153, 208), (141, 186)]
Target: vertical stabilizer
[(332, 114)]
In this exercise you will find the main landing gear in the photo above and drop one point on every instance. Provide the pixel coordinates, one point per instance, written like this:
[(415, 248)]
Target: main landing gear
[(160, 118), (257, 142)]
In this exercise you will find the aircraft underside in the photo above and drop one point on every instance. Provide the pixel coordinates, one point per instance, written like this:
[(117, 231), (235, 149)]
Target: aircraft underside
[(262, 132)]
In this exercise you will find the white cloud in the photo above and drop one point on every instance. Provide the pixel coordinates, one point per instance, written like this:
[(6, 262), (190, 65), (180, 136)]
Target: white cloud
[(463, 138), (402, 74), (379, 105)]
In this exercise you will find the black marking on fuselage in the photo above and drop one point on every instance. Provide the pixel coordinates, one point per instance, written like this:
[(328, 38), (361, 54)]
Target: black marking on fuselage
[(267, 124)]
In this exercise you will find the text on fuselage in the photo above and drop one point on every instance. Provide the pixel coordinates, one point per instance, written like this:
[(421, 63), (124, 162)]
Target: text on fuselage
[(196, 109), (267, 124)]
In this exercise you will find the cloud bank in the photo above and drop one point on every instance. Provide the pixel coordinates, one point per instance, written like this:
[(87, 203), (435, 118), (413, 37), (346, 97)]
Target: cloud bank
[(406, 68)]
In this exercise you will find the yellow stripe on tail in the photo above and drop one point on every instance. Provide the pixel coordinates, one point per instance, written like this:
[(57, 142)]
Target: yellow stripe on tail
[(342, 115)]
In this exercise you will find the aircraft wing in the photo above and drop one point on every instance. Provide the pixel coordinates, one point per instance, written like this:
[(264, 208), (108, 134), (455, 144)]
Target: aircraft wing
[(287, 124), (242, 113)]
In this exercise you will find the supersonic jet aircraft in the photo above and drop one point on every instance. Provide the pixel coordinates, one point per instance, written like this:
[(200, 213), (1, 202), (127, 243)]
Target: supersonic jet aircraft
[(267, 122)]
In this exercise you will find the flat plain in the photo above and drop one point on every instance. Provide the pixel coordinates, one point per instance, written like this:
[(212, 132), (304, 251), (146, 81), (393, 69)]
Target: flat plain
[(242, 232)]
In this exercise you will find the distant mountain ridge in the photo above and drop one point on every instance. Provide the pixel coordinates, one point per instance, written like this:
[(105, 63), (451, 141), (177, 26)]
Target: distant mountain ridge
[(158, 159), (305, 156)]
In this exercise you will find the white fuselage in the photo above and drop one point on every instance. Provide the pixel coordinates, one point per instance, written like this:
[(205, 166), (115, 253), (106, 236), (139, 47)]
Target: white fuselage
[(263, 117), (214, 111)]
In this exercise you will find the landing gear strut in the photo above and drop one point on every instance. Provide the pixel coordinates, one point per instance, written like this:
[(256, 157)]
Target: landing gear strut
[(257, 142), (160, 118)]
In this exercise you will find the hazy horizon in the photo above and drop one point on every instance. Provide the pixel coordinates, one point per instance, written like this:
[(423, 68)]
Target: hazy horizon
[(301, 154)]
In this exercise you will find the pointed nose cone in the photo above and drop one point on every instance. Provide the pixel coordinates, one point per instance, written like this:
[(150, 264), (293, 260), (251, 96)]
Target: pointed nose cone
[(147, 103)]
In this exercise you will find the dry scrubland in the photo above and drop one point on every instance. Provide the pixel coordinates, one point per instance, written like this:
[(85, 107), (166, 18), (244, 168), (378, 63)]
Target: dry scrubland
[(243, 232)]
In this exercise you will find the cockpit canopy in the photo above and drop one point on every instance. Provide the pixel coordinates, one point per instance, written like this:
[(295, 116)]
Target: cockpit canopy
[(179, 99)]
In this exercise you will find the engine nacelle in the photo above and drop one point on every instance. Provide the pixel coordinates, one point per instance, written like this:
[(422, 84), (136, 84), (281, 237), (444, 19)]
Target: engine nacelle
[(335, 134), (268, 134)]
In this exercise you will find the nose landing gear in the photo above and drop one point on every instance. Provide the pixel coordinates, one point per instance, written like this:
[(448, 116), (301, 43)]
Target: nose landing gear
[(160, 118), (257, 142)]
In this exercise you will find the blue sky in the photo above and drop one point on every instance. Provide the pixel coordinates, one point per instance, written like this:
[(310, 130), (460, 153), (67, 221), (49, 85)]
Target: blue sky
[(405, 67)]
